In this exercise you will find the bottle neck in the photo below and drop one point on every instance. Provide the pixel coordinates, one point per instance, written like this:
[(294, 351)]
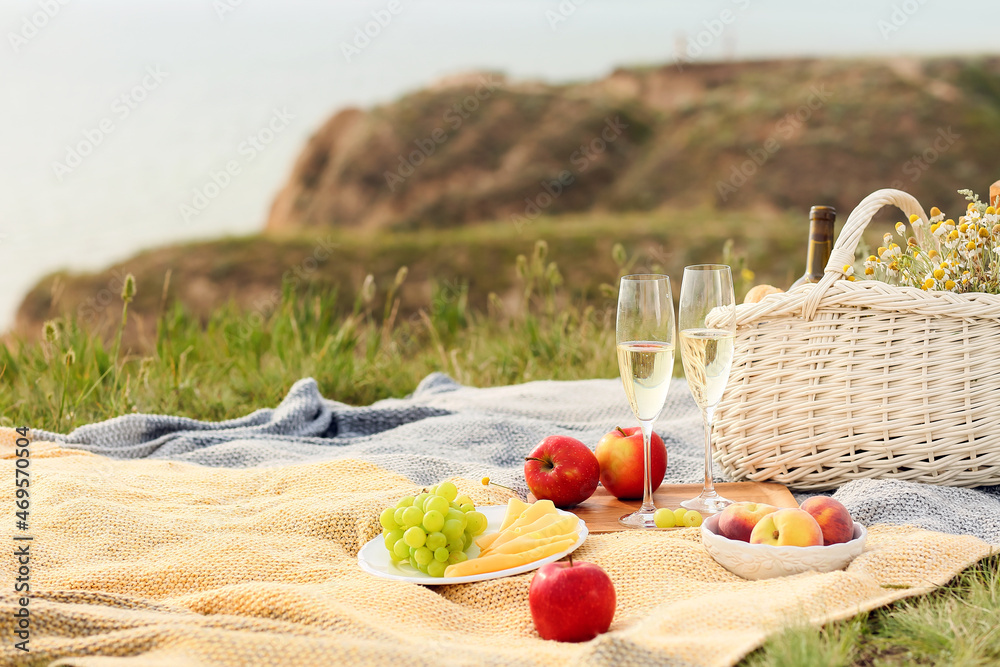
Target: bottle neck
[(820, 247)]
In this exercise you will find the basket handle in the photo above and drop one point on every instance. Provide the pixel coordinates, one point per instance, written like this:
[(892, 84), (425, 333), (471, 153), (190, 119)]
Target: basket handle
[(850, 236)]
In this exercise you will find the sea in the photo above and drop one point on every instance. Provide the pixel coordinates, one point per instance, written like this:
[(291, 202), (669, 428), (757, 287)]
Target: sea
[(129, 124)]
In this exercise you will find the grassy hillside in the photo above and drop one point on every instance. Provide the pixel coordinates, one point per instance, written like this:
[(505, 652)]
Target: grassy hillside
[(475, 261), (671, 187), (220, 366), (759, 136)]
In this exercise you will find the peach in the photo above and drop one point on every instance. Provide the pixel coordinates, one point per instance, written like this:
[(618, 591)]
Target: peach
[(758, 292), (787, 528), (833, 518), (737, 521)]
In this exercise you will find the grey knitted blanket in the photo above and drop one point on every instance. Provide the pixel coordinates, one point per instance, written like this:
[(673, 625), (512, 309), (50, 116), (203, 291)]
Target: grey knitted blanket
[(445, 429)]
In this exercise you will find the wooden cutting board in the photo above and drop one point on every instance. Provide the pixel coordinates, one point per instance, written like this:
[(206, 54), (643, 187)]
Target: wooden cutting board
[(601, 510)]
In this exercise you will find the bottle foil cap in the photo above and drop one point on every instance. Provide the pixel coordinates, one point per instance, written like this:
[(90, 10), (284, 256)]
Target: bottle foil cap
[(823, 213)]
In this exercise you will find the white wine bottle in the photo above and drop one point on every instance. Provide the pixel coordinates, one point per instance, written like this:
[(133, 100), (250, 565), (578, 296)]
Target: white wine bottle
[(821, 219)]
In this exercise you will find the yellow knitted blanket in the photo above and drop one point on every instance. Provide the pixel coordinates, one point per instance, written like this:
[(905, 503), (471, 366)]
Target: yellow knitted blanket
[(162, 563)]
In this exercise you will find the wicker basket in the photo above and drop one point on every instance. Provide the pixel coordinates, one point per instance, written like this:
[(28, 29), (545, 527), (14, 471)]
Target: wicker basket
[(844, 380)]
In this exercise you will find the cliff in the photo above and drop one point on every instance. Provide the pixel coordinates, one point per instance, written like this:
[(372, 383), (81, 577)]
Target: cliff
[(756, 135)]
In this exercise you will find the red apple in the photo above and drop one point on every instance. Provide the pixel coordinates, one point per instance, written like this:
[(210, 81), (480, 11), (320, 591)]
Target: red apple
[(832, 517), (620, 455), (571, 602), (562, 469), (737, 521)]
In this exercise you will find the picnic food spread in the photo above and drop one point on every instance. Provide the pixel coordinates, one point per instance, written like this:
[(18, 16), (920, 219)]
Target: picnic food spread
[(434, 532), (752, 539)]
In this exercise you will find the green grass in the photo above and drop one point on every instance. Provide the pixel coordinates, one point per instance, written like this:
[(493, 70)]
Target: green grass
[(238, 361), (204, 275), (364, 350), (956, 625), (833, 646)]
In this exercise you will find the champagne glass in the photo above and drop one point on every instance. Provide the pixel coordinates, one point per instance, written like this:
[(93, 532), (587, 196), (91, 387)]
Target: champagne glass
[(645, 336), (707, 340)]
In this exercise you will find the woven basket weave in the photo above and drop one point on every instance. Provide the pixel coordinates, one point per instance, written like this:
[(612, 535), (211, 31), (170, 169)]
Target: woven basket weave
[(844, 380)]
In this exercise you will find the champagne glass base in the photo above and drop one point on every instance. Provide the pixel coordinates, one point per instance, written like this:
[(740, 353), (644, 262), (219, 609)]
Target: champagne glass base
[(638, 519), (707, 503)]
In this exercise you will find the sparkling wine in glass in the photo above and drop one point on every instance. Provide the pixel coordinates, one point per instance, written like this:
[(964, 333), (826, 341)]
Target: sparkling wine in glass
[(707, 341), (645, 335)]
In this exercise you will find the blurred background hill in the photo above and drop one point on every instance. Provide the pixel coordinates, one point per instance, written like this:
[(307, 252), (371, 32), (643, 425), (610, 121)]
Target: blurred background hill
[(828, 131), (220, 149), (454, 181)]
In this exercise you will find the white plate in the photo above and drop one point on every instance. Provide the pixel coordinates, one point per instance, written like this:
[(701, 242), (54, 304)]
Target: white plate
[(374, 557)]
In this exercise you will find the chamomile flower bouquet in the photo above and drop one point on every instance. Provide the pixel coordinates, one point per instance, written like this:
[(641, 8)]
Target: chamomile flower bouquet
[(941, 254)]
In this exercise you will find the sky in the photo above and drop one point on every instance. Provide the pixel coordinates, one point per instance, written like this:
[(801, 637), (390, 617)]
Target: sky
[(162, 94)]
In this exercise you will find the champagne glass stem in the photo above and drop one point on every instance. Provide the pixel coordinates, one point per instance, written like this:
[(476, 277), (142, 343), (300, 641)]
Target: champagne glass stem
[(647, 483), (708, 416)]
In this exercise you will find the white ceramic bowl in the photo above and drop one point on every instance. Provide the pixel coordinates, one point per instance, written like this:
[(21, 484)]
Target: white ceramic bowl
[(763, 561)]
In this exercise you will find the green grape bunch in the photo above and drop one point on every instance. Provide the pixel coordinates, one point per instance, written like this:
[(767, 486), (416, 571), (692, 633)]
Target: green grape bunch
[(431, 530)]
